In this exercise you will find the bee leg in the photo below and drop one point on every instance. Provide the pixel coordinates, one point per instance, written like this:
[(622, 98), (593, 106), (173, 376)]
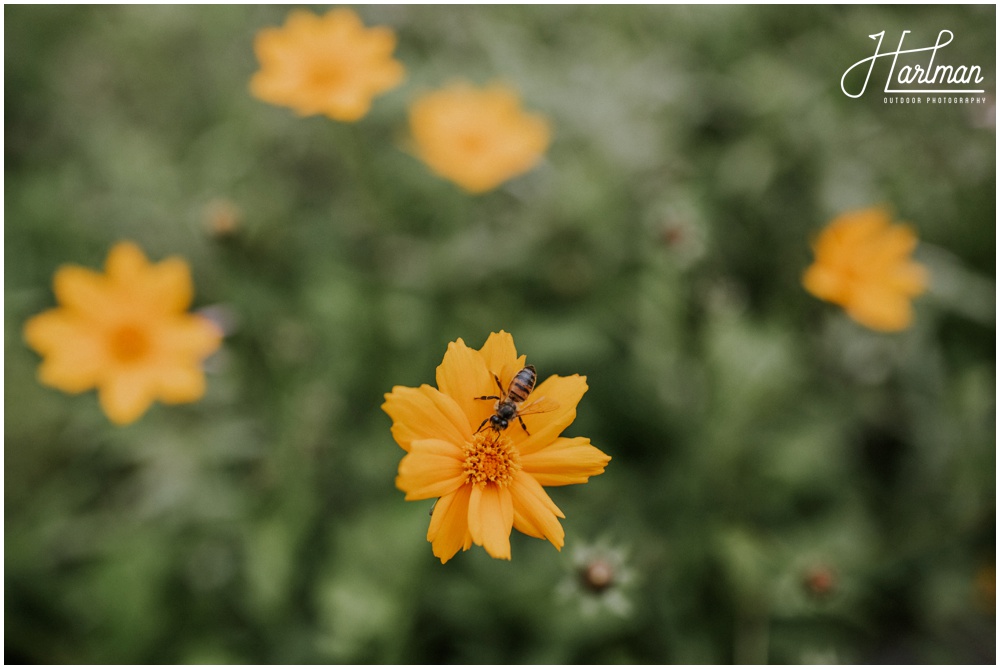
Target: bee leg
[(483, 424), (499, 385), (486, 397), (523, 426)]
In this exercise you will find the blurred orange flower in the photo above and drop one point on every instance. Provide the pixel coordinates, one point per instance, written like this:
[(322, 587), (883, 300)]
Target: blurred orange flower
[(327, 64), (125, 333), (488, 480), (863, 264), (477, 138)]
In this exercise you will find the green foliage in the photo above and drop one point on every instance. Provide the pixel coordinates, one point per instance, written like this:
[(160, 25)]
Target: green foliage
[(757, 434)]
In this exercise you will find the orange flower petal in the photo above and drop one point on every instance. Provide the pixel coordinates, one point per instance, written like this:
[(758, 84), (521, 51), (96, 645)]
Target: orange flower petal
[(566, 391), (853, 229), (449, 528), (491, 517), (49, 330), (126, 263), (424, 413), (189, 336), (498, 351), (73, 353), (881, 309), (565, 461), (167, 284), (823, 282), (381, 42), (125, 396), (70, 371), (523, 525), (305, 22), (179, 384), (432, 468), (164, 287), (894, 244), (463, 376), (83, 290), (534, 511)]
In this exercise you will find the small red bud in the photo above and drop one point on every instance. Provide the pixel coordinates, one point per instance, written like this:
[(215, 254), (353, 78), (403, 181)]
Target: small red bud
[(819, 581)]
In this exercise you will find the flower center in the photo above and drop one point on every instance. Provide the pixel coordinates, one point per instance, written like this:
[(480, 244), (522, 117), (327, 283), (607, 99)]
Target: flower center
[(598, 576), (326, 76), (128, 343), (472, 143), (490, 458)]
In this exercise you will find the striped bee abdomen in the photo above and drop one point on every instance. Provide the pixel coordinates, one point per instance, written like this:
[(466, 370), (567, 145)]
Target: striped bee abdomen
[(522, 384)]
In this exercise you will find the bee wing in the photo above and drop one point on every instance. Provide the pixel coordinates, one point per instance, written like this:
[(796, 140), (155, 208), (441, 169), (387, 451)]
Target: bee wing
[(540, 405)]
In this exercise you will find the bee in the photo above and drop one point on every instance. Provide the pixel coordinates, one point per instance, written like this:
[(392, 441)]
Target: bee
[(511, 403)]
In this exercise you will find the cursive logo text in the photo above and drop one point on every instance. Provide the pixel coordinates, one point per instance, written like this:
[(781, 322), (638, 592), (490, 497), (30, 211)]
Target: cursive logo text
[(929, 75)]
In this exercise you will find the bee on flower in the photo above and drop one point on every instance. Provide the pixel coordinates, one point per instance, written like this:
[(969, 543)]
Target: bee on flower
[(863, 264), (488, 475), (125, 332), (330, 64), (477, 138)]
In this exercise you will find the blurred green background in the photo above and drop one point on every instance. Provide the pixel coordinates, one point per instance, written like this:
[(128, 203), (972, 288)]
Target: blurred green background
[(786, 486)]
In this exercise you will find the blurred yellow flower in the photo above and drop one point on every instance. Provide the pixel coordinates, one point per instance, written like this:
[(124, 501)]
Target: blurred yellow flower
[(327, 64), (863, 264), (477, 138), (488, 480), (125, 332)]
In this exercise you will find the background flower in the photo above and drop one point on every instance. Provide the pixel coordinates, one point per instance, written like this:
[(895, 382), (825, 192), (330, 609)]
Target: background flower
[(125, 333), (328, 64), (863, 264), (600, 579), (488, 480), (477, 138)]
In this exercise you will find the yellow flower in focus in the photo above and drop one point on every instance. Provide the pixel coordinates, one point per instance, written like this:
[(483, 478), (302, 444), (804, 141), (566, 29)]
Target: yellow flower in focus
[(327, 64), (125, 332), (488, 481), (863, 264), (477, 138)]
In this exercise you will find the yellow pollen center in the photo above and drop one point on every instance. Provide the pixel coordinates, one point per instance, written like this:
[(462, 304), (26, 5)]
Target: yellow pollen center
[(326, 76), (490, 458), (473, 143), (129, 343)]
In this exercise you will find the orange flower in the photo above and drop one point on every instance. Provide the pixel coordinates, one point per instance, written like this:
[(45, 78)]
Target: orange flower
[(124, 332), (863, 264), (328, 64), (488, 480), (477, 138)]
